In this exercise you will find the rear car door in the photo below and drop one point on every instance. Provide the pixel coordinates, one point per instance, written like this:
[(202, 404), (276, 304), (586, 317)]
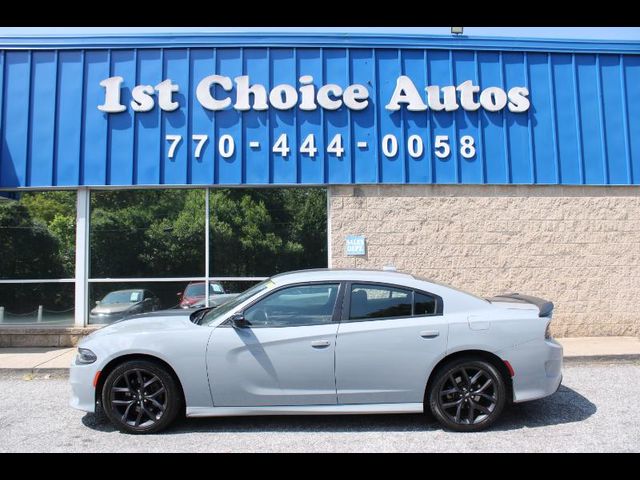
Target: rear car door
[(285, 357), (389, 339)]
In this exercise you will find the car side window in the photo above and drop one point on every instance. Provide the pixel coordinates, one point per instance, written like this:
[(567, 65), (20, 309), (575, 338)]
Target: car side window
[(424, 304), (378, 301), (295, 306)]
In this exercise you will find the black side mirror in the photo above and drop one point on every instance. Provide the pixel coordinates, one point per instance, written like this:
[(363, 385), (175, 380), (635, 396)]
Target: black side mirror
[(238, 321)]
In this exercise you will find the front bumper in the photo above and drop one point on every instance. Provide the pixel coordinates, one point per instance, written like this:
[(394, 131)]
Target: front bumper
[(538, 369), (83, 394)]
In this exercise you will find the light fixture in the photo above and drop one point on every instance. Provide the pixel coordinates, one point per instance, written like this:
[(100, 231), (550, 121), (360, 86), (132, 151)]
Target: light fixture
[(457, 30)]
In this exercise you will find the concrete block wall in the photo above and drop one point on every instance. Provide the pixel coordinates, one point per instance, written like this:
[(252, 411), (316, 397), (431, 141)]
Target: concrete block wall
[(577, 246)]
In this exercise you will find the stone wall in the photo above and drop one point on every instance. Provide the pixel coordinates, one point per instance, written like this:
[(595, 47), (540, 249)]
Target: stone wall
[(577, 246)]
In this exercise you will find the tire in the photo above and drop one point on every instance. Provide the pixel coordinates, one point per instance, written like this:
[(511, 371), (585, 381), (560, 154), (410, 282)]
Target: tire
[(141, 410), (451, 398)]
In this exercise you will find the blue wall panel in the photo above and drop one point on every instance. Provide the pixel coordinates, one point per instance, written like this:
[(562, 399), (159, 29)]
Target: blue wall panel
[(416, 127), (470, 169), (566, 123), (43, 98), (631, 67), (590, 120), (93, 155), (120, 158), (148, 144), (614, 113), (517, 124), (583, 125), (15, 119), (68, 139)]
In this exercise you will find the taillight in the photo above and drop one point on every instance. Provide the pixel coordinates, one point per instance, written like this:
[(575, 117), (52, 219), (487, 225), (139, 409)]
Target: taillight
[(547, 331)]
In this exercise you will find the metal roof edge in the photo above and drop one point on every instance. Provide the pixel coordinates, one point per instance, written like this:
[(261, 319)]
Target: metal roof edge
[(330, 40)]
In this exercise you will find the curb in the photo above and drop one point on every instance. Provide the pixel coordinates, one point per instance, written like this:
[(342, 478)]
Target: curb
[(54, 372), (602, 358)]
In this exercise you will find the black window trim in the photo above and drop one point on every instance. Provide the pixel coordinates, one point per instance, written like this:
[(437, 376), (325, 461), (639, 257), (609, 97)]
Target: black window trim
[(337, 307), (346, 308)]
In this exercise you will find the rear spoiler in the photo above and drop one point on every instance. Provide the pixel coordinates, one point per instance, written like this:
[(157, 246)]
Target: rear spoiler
[(544, 306)]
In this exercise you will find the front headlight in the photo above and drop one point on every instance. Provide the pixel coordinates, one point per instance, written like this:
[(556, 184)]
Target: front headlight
[(85, 356)]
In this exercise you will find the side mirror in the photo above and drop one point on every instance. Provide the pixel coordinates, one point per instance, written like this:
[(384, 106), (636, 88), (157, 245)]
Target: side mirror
[(238, 321), (97, 302), (179, 294)]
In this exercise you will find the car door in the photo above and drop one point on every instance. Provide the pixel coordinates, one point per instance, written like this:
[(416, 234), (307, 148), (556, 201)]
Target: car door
[(389, 339), (285, 356)]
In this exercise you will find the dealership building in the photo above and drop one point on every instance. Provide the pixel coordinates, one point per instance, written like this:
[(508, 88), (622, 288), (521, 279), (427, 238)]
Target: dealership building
[(491, 164)]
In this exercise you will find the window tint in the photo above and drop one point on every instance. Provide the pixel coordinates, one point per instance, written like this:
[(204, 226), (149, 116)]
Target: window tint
[(424, 304), (376, 301), (295, 306)]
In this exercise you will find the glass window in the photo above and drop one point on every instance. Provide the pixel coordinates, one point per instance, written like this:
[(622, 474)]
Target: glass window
[(111, 301), (37, 303), (260, 232), (377, 301), (295, 306), (218, 312), (37, 236), (147, 233), (424, 304)]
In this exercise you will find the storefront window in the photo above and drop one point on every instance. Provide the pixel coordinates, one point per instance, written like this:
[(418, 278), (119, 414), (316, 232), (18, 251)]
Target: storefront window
[(37, 236), (112, 301), (37, 303), (147, 233), (37, 260), (261, 232)]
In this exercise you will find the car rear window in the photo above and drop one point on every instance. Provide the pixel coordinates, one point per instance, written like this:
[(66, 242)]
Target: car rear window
[(377, 301)]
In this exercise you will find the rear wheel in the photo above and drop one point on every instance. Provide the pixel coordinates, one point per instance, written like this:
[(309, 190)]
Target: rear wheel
[(140, 396), (467, 395)]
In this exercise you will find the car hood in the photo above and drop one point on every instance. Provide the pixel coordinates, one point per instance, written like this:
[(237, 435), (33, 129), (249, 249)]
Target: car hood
[(146, 324), (113, 308)]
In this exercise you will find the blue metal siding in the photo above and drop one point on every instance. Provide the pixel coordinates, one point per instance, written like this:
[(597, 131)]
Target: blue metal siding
[(583, 126)]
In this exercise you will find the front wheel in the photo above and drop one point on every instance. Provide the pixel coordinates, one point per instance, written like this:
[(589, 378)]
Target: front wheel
[(140, 396), (467, 395)]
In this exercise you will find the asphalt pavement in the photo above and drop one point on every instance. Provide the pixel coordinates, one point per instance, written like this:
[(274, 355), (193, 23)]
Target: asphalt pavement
[(594, 411)]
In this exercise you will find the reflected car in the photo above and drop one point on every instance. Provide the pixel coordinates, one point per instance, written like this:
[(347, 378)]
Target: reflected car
[(195, 293), (121, 304), (324, 342)]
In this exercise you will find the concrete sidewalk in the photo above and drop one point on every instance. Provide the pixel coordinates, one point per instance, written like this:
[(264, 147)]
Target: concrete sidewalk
[(46, 359)]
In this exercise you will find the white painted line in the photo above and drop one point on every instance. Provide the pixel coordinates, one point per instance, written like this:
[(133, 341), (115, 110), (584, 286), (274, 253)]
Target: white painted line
[(254, 144), (362, 144)]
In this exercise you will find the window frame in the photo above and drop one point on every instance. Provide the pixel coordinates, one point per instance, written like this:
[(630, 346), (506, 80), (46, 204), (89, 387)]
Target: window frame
[(335, 316), (346, 308)]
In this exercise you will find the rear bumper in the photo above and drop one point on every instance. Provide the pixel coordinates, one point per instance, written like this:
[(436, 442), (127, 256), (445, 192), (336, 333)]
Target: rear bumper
[(538, 369)]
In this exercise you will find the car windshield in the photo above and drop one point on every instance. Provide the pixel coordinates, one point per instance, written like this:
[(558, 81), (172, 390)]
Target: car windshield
[(195, 290), (123, 296), (218, 312)]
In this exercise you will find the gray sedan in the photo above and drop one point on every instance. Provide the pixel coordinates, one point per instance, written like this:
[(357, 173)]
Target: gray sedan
[(324, 342)]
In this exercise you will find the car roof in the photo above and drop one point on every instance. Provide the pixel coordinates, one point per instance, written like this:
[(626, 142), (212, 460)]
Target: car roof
[(316, 274), (463, 299)]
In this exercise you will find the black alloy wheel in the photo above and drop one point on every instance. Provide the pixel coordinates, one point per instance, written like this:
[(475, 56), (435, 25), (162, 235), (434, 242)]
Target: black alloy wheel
[(467, 395), (140, 396)]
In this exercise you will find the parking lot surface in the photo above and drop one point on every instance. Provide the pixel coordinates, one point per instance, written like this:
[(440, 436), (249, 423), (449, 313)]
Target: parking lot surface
[(595, 410)]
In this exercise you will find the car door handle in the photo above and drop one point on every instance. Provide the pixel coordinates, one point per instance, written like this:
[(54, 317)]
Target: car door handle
[(429, 333), (320, 343)]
